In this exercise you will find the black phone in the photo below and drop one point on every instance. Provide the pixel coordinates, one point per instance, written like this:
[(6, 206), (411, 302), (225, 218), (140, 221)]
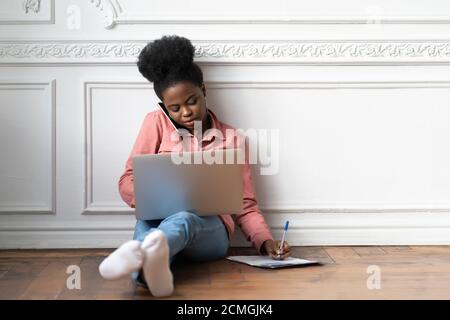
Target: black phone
[(164, 109)]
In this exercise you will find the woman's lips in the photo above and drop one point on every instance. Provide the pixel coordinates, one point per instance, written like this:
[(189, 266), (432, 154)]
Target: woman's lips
[(190, 123)]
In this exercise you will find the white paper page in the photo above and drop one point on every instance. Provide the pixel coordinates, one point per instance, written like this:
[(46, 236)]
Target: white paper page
[(268, 262)]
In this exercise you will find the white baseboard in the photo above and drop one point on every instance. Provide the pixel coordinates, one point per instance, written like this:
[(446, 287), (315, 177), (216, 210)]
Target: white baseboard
[(306, 229)]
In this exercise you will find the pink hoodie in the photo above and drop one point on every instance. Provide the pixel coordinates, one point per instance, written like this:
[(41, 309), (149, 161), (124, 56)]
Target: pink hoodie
[(157, 135)]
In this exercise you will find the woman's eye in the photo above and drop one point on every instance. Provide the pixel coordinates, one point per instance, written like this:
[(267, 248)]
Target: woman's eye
[(175, 109), (192, 102)]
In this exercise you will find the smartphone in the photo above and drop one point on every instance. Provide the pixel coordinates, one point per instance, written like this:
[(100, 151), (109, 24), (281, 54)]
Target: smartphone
[(164, 109)]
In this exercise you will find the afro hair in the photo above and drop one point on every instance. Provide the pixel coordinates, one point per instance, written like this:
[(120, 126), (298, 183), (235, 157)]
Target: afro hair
[(167, 61)]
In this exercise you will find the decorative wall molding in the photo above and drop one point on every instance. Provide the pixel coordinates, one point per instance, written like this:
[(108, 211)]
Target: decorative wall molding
[(304, 230), (252, 52), (37, 208), (31, 6), (91, 208), (113, 14), (320, 50), (107, 12), (68, 51), (27, 12)]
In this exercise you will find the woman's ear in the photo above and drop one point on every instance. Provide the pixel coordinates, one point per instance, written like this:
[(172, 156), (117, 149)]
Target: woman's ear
[(204, 89)]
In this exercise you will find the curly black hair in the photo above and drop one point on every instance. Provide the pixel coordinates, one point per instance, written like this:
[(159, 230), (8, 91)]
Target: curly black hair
[(167, 61)]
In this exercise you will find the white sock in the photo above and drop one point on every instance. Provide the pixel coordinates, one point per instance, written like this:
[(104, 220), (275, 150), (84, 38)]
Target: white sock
[(123, 261), (156, 267)]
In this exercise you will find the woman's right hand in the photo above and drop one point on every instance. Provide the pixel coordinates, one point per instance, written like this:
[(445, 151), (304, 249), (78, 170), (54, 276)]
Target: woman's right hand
[(272, 248)]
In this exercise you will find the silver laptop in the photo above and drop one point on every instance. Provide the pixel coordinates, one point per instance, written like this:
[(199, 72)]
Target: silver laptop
[(204, 182)]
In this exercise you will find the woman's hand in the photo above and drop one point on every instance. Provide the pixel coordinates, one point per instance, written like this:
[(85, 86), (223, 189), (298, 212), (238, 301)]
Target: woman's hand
[(272, 248)]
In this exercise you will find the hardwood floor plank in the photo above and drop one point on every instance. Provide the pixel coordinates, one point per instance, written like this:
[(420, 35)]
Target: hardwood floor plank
[(342, 254), (4, 267), (413, 272), (122, 289), (431, 249), (369, 251), (395, 249), (20, 275), (52, 253), (2, 273), (91, 281), (312, 253), (51, 281)]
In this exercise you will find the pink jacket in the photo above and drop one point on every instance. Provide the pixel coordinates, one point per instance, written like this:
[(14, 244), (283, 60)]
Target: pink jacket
[(157, 135)]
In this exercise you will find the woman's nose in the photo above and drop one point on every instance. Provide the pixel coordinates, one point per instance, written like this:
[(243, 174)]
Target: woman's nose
[(187, 112)]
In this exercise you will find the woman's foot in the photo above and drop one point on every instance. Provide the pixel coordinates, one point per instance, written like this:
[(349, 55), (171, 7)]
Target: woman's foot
[(156, 267), (128, 258)]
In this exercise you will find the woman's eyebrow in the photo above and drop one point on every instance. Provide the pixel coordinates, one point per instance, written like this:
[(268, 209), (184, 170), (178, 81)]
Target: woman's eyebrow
[(170, 105)]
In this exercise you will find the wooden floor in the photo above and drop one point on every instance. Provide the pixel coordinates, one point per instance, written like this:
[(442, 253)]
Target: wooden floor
[(407, 272)]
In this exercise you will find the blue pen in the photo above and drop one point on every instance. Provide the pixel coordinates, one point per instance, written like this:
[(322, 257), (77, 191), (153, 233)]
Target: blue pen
[(284, 235)]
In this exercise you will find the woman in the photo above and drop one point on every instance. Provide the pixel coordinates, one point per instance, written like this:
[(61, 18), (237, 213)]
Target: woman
[(178, 82)]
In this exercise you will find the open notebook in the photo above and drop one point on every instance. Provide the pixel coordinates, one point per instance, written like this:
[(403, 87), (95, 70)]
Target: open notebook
[(268, 262)]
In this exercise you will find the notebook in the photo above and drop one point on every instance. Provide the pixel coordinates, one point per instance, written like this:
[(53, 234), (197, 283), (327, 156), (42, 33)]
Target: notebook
[(268, 262)]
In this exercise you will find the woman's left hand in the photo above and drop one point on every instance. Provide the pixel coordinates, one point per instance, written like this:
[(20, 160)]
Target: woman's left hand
[(272, 248)]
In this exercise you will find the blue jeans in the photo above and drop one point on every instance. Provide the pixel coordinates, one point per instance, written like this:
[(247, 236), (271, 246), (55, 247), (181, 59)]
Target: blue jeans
[(194, 237)]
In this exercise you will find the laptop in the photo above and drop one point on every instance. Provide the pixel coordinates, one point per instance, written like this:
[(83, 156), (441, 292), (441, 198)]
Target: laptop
[(202, 182)]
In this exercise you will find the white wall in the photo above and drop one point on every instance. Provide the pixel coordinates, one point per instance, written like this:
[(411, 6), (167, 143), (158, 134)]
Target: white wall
[(360, 91)]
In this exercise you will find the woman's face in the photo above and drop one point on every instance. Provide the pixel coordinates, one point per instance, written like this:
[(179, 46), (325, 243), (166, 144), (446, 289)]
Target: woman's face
[(186, 103)]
